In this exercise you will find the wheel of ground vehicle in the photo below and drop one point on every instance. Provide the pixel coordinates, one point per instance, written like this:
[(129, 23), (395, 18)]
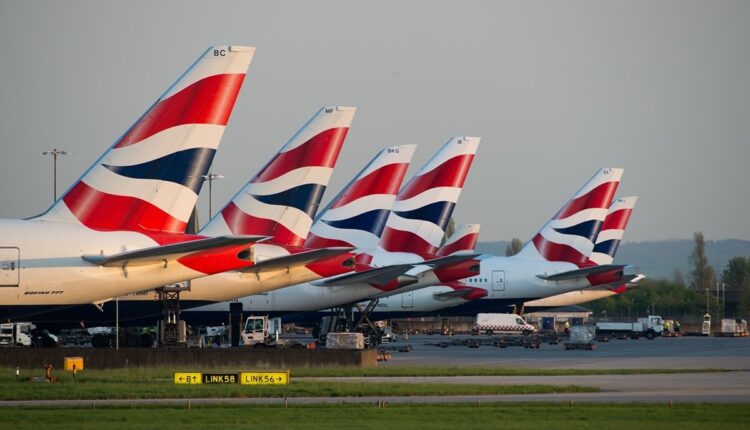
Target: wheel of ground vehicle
[(650, 335), (526, 333), (489, 332)]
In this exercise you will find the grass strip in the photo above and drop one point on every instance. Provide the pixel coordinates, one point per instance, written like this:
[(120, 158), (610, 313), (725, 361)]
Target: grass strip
[(526, 416), (81, 388)]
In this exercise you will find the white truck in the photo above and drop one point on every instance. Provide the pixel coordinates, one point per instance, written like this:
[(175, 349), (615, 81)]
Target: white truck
[(263, 332), (650, 327), (25, 334), (501, 324)]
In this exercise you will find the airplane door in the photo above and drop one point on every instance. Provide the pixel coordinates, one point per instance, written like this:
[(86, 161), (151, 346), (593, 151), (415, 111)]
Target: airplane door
[(498, 280), (407, 300), (10, 269)]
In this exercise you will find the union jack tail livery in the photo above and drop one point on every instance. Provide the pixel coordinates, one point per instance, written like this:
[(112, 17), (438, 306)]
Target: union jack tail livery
[(612, 230), (463, 239), (149, 180), (356, 217), (423, 207), (569, 236), (282, 199)]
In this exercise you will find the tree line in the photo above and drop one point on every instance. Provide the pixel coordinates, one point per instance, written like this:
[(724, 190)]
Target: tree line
[(726, 295)]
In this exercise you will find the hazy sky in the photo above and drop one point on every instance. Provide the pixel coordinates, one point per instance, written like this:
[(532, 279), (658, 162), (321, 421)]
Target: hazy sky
[(555, 89)]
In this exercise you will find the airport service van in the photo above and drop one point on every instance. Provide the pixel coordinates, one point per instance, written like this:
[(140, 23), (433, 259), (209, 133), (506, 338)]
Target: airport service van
[(501, 324)]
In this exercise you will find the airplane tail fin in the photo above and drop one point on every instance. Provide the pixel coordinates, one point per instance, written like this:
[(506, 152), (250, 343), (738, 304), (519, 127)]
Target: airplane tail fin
[(612, 230), (150, 178), (423, 207), (569, 236), (463, 239), (357, 215), (282, 199)]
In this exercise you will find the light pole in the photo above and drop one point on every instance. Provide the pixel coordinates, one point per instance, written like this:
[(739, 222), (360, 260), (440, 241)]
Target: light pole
[(54, 153), (211, 177)]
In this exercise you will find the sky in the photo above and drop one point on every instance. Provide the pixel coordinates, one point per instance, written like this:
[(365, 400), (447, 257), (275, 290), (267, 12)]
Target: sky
[(556, 90)]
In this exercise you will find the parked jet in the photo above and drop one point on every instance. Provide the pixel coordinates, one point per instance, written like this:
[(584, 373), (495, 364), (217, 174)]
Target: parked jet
[(120, 227), (554, 262), (430, 300), (278, 203), (604, 252), (412, 232)]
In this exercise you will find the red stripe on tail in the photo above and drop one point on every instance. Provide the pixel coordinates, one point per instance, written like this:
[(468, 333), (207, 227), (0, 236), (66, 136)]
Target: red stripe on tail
[(394, 240), (321, 150), (241, 223), (316, 242), (617, 220), (452, 173), (384, 180), (207, 101), (552, 251), (106, 212), (598, 198), (465, 243)]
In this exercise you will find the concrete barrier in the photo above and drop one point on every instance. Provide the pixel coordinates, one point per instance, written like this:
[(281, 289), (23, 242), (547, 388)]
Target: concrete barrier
[(105, 358)]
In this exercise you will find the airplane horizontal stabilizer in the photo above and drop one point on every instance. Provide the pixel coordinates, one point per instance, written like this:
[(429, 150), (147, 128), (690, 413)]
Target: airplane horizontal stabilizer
[(378, 276), (445, 262), (299, 258), (452, 294), (579, 273), (158, 254)]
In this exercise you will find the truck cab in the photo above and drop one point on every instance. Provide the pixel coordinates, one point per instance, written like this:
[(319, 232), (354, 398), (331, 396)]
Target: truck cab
[(16, 334)]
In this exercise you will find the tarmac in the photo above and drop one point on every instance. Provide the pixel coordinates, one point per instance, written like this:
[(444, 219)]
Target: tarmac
[(729, 386), (660, 353)]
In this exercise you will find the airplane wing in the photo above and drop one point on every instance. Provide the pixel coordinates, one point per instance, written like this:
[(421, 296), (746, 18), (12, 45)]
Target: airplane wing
[(299, 258), (160, 254), (579, 273)]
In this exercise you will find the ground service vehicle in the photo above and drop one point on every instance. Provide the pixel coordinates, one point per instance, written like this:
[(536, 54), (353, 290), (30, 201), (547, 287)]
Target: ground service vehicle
[(25, 334), (650, 327), (263, 332), (501, 324)]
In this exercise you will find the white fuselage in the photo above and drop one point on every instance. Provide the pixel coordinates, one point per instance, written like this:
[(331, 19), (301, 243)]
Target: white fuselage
[(50, 270), (504, 278)]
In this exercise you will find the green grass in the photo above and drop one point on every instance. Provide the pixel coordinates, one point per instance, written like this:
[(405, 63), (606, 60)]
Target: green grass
[(147, 383), (116, 375), (526, 416)]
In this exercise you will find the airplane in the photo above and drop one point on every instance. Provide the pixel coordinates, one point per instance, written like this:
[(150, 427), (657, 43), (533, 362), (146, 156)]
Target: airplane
[(120, 227), (435, 297), (277, 204), (438, 300), (407, 259), (555, 261), (604, 252)]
